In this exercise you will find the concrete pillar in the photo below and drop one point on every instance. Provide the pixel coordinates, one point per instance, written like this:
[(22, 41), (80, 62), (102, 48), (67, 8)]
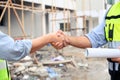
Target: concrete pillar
[(43, 18)]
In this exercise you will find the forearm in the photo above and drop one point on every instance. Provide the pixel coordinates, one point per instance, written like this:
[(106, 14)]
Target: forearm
[(40, 42), (80, 42)]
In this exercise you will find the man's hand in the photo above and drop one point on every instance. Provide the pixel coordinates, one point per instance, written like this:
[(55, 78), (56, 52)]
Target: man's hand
[(116, 60), (64, 40)]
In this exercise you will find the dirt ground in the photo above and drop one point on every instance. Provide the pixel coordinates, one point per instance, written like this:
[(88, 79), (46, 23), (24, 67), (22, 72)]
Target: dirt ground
[(89, 69), (82, 68)]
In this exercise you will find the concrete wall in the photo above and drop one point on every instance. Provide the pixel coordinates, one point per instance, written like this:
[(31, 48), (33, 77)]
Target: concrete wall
[(55, 25), (86, 5), (42, 22), (94, 10), (33, 28), (58, 3)]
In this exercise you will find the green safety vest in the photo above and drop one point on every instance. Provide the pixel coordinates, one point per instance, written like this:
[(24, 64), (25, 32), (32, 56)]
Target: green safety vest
[(112, 27), (4, 73)]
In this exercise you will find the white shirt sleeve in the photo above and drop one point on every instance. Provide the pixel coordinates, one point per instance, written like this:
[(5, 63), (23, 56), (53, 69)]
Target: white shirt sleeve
[(97, 35), (13, 50)]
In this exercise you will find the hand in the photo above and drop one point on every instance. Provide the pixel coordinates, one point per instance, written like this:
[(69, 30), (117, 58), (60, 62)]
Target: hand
[(116, 60), (39, 42), (64, 43)]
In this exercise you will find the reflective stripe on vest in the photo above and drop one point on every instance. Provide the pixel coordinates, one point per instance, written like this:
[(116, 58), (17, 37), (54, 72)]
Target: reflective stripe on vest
[(112, 28), (111, 66), (4, 74)]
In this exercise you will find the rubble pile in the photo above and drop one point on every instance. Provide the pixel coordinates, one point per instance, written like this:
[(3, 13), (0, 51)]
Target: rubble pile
[(44, 65), (66, 64)]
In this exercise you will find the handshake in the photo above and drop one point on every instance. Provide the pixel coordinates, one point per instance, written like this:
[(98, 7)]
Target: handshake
[(59, 40)]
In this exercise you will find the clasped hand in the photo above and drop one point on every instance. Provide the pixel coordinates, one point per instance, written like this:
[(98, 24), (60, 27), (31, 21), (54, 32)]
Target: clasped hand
[(61, 40)]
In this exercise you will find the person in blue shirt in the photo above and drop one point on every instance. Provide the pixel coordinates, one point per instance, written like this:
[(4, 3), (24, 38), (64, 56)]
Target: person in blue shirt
[(108, 31), (15, 50)]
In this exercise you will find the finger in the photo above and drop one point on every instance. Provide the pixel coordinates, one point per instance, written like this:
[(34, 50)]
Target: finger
[(116, 59), (60, 32), (64, 44), (59, 45), (67, 40), (54, 44)]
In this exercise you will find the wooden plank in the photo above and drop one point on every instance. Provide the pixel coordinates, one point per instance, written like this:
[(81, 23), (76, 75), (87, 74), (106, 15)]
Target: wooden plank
[(9, 22), (56, 62), (19, 21), (4, 10)]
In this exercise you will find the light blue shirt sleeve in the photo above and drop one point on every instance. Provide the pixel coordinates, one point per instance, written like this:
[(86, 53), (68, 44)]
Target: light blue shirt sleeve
[(97, 35), (13, 50)]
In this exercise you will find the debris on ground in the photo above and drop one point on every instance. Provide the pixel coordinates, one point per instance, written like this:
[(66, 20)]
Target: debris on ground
[(67, 64)]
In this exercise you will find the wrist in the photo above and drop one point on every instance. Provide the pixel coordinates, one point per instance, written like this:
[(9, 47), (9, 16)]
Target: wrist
[(68, 40), (50, 37)]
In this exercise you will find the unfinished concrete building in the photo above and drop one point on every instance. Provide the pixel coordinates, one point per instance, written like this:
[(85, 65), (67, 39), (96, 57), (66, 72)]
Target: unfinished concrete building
[(32, 18)]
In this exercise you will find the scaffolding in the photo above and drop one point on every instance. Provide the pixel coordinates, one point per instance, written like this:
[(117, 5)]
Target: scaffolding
[(67, 16), (7, 5)]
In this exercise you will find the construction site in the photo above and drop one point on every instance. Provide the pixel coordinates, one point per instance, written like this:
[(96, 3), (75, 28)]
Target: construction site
[(28, 19)]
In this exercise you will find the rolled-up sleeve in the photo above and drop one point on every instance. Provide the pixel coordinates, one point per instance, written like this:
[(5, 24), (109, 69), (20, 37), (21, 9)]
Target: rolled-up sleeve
[(97, 35), (13, 50)]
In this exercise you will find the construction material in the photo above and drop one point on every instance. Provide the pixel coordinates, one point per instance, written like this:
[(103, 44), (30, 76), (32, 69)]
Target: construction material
[(56, 62), (102, 52)]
